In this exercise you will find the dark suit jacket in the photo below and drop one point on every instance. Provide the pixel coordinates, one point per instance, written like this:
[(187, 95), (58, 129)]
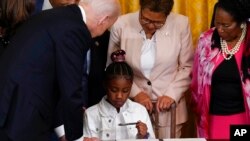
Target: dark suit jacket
[(95, 91), (2, 45), (43, 62), (97, 67)]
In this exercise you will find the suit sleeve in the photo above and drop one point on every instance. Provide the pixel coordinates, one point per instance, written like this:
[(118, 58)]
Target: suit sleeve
[(196, 74), (182, 80), (70, 55)]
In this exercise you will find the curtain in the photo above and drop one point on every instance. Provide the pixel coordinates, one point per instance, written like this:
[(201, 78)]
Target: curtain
[(199, 13)]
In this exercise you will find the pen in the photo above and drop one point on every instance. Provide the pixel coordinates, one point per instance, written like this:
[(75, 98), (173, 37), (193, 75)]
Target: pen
[(125, 124)]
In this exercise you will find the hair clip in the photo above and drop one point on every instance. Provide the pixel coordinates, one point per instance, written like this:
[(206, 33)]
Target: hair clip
[(118, 56)]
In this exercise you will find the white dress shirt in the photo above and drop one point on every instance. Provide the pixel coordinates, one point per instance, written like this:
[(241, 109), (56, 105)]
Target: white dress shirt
[(148, 54), (46, 5)]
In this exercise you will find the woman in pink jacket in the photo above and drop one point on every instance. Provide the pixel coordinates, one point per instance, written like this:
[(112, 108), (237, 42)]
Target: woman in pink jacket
[(221, 76)]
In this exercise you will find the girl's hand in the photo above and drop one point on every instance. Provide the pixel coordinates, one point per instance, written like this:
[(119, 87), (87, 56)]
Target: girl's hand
[(142, 130)]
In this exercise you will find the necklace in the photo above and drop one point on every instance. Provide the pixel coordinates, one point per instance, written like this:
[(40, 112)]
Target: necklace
[(228, 54)]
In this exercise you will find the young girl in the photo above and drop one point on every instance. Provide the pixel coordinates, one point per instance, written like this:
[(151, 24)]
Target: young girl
[(104, 121)]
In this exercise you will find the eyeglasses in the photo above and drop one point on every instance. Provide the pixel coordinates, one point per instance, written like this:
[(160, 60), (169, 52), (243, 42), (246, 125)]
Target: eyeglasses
[(145, 21)]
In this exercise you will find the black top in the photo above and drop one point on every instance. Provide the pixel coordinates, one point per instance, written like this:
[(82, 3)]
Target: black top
[(226, 90)]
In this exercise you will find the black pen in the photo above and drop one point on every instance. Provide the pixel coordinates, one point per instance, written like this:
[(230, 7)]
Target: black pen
[(125, 124)]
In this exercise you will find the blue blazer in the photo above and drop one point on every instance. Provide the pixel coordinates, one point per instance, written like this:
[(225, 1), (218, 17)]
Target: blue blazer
[(42, 64)]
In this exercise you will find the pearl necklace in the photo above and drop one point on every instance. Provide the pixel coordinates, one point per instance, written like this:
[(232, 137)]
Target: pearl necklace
[(235, 49)]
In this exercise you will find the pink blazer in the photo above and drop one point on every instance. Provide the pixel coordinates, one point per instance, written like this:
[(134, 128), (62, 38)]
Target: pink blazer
[(174, 57)]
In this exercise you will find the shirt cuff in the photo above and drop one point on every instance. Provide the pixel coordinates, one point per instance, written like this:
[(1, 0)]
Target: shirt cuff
[(59, 131)]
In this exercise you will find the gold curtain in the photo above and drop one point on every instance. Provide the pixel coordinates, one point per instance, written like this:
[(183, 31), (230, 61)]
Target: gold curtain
[(198, 11)]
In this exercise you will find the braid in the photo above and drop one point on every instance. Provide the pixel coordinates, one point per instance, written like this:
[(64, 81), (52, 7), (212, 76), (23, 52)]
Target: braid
[(118, 69)]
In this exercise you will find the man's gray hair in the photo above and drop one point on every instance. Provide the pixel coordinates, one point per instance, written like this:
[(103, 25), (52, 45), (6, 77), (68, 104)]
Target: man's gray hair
[(108, 7)]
